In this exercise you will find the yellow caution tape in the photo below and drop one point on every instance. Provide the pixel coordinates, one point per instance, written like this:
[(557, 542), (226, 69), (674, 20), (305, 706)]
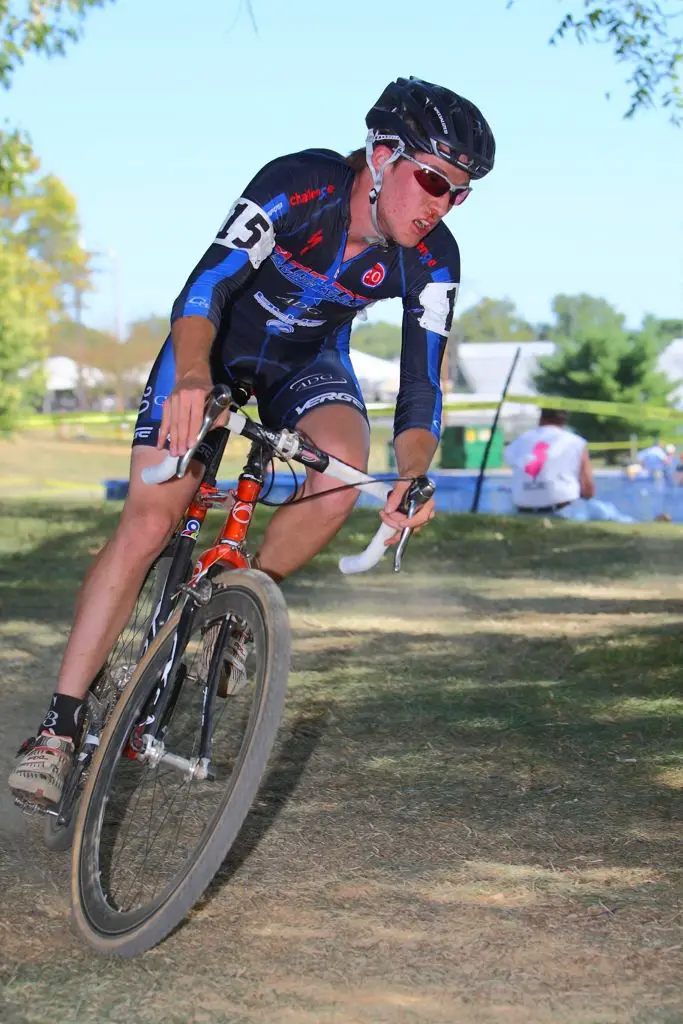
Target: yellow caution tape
[(57, 419), (639, 443), (620, 409)]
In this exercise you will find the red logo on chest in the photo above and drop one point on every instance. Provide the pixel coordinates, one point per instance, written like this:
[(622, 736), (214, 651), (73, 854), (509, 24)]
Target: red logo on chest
[(314, 240), (374, 276)]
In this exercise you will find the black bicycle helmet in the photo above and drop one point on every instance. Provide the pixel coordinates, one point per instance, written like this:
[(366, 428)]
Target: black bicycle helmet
[(435, 120)]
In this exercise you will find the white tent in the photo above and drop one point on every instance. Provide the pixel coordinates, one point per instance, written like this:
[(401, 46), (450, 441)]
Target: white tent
[(378, 378), (62, 374)]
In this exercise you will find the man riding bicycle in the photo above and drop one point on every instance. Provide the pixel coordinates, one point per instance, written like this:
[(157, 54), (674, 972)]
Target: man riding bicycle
[(314, 239)]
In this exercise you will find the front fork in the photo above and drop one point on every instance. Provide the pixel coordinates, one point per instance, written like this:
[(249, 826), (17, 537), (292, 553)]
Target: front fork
[(146, 741), (147, 738)]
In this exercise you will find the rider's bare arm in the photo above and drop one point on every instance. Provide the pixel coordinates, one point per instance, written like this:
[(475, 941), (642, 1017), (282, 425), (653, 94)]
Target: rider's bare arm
[(427, 317), (184, 409), (415, 450), (586, 481)]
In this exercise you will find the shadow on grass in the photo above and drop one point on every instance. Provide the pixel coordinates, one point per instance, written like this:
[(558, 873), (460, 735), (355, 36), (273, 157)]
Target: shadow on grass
[(510, 547), (295, 747), (53, 547), (545, 747)]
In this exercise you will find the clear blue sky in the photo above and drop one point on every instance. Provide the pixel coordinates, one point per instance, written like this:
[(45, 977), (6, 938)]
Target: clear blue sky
[(160, 115)]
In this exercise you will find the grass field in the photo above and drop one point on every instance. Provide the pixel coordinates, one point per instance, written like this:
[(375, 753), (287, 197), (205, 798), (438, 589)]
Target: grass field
[(473, 814)]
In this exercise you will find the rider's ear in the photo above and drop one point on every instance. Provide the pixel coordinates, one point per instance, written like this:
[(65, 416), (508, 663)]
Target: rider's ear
[(380, 155)]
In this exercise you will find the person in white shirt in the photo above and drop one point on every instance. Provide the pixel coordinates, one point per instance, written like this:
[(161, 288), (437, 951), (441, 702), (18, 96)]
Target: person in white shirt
[(550, 465)]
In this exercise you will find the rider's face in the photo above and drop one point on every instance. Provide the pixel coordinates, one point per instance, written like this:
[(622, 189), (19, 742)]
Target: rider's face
[(406, 211)]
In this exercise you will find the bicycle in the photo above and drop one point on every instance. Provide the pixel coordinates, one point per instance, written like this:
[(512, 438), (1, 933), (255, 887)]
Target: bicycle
[(190, 722)]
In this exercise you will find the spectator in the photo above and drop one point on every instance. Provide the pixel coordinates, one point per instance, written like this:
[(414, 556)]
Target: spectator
[(659, 462), (550, 466)]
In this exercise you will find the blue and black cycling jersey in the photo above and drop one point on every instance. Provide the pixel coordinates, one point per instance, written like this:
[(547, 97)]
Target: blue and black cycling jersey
[(275, 286)]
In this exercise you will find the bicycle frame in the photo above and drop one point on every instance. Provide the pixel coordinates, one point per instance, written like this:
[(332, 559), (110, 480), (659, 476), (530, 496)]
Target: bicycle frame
[(226, 552), (228, 549)]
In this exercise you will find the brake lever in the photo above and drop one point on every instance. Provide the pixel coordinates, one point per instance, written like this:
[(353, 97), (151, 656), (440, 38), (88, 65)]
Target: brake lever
[(417, 495), (218, 400)]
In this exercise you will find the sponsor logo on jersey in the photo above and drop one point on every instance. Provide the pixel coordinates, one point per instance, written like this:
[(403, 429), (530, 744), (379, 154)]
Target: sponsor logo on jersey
[(314, 379), (329, 396), (315, 239), (279, 328), (299, 198), (316, 287), (425, 255), (285, 318), (198, 300), (374, 276)]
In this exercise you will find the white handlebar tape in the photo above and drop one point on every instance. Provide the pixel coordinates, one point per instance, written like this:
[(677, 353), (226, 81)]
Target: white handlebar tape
[(372, 554), (165, 470)]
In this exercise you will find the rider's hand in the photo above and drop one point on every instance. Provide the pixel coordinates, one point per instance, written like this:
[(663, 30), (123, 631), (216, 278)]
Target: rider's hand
[(392, 517), (184, 412)]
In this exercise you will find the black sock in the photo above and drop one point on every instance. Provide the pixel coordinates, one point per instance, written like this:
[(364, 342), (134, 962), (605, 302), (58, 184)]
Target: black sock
[(64, 716)]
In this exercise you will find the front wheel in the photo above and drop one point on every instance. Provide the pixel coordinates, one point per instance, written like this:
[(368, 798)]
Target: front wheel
[(152, 831)]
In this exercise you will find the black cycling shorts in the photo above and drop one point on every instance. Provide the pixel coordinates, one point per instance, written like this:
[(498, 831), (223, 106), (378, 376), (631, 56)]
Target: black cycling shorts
[(292, 392)]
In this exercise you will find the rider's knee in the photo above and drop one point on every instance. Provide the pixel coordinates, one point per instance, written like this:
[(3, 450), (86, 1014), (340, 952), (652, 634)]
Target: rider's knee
[(145, 529), (330, 503)]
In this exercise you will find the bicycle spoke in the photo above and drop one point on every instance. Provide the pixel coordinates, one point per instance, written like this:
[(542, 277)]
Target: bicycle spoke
[(156, 816)]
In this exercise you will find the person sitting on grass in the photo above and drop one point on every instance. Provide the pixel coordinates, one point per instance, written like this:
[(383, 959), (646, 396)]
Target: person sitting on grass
[(551, 466)]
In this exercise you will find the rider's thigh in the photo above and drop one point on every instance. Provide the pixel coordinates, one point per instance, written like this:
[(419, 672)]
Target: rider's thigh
[(151, 511), (341, 431)]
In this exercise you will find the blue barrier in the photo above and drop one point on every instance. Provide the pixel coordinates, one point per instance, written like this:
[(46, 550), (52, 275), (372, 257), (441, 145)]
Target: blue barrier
[(642, 500)]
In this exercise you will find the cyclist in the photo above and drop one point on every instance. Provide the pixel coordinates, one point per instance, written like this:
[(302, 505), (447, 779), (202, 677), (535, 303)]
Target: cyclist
[(313, 240)]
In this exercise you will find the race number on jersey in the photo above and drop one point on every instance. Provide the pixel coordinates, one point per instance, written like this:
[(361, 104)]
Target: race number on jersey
[(248, 227), (438, 302)]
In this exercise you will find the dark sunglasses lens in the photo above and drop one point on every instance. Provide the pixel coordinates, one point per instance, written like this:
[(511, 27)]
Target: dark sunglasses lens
[(459, 197), (432, 183), (436, 185)]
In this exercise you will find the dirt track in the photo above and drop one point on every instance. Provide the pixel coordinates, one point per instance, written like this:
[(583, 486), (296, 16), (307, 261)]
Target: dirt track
[(473, 815)]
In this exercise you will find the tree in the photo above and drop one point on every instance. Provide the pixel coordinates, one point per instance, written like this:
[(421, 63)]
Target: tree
[(16, 161), (597, 359), (26, 301), (41, 259), (492, 320), (44, 26), (26, 27), (381, 339), (665, 330), (42, 218), (124, 363), (642, 36), (145, 338), (578, 316)]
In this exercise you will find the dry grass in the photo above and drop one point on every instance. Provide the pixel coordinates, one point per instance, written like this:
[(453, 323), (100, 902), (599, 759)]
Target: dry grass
[(472, 816), (41, 464)]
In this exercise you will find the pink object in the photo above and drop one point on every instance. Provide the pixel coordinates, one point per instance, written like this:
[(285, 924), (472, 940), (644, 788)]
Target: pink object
[(537, 462)]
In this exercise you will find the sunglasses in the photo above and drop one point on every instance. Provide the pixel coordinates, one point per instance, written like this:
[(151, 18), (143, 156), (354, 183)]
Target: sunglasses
[(437, 184)]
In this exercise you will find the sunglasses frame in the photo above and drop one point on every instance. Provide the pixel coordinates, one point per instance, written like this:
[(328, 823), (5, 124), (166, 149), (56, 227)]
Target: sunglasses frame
[(455, 191)]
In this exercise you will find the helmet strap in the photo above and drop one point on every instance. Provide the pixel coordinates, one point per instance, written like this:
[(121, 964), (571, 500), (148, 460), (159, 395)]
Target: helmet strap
[(373, 138)]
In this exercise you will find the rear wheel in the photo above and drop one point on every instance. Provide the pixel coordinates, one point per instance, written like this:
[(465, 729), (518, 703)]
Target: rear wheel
[(109, 683), (152, 832)]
